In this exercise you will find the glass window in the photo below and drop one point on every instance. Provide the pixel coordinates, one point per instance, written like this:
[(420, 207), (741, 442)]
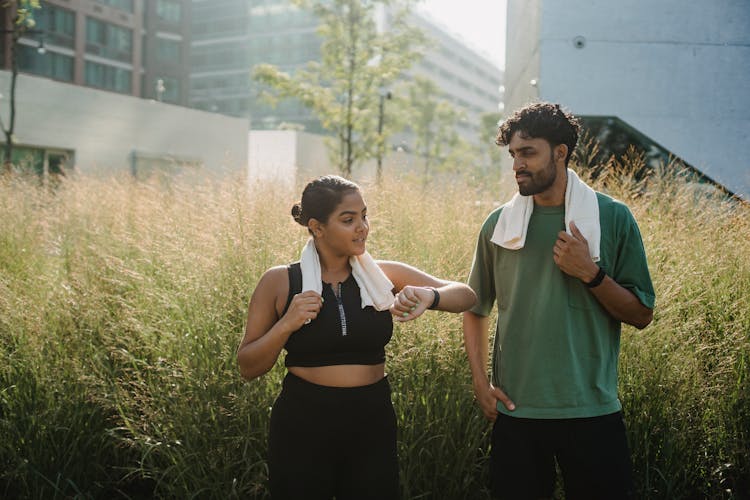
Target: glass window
[(161, 166), (31, 160), (171, 92), (109, 40), (108, 77), (58, 25), (169, 11), (126, 5), (28, 160), (168, 50), (49, 64)]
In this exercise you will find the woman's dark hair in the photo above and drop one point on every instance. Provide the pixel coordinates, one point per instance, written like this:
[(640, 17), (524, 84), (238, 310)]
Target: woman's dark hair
[(542, 120), (320, 197)]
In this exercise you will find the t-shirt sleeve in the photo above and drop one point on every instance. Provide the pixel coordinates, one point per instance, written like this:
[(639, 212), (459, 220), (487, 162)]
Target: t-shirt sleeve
[(481, 277), (631, 267)]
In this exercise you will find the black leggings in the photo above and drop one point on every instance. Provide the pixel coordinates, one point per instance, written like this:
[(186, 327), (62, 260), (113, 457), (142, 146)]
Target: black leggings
[(330, 442)]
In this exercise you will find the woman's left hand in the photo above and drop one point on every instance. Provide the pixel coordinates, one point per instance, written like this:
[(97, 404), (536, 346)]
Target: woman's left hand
[(411, 302)]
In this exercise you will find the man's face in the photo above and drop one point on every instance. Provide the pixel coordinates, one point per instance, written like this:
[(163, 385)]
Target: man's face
[(533, 164)]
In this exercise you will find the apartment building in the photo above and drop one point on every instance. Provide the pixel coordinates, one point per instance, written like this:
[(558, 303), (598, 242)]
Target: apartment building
[(467, 78), (91, 75), (231, 36), (134, 47)]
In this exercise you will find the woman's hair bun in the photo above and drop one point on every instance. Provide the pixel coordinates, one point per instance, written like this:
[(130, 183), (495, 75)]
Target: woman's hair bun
[(297, 213)]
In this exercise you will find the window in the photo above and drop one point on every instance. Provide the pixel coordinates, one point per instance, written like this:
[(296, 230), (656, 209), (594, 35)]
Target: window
[(109, 40), (49, 64), (108, 77), (58, 25), (171, 92), (126, 5), (168, 50), (169, 11), (161, 166), (47, 164), (28, 160)]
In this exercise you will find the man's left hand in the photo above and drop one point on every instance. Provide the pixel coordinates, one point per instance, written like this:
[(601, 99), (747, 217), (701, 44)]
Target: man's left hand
[(571, 254)]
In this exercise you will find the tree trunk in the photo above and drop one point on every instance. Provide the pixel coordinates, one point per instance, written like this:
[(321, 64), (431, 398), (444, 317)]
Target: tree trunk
[(427, 154), (350, 91), (8, 150)]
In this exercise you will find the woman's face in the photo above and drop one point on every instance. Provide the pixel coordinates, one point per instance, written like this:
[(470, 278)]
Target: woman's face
[(346, 230)]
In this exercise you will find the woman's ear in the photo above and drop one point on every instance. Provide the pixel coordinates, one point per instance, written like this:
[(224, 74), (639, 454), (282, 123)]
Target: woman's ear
[(315, 227)]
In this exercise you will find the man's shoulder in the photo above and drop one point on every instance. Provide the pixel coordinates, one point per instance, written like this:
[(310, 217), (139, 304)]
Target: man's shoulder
[(488, 226), (615, 215), (611, 206)]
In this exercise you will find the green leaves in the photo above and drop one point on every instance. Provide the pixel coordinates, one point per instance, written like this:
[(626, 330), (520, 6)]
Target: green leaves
[(343, 89), (24, 17), (433, 120)]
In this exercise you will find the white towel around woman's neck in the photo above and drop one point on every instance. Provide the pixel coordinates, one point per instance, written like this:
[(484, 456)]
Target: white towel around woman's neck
[(581, 207), (375, 289)]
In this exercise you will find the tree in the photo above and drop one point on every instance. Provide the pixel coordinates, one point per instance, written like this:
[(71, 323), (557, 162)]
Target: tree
[(433, 122), (344, 88), (490, 123), (22, 22)]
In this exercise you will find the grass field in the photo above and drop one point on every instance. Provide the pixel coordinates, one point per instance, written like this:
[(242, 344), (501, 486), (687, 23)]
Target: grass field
[(122, 304)]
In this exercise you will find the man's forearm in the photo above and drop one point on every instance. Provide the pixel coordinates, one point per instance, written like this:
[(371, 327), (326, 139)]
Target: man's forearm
[(571, 254), (622, 304), (476, 341)]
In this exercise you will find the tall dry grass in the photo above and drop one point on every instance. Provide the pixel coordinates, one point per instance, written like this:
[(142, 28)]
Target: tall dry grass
[(122, 303)]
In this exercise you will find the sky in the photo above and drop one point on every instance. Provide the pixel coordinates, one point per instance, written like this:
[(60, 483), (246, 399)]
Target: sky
[(479, 22)]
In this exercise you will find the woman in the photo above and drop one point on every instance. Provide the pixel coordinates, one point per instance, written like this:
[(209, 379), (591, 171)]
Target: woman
[(333, 428)]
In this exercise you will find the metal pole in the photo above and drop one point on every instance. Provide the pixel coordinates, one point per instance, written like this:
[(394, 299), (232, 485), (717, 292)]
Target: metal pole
[(384, 94), (379, 171)]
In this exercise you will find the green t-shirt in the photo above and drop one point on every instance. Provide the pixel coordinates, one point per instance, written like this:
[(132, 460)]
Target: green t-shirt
[(556, 348)]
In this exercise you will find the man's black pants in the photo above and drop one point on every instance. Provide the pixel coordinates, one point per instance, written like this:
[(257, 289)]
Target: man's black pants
[(592, 454)]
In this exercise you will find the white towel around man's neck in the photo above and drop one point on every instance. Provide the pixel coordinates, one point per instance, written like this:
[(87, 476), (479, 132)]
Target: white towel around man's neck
[(581, 207), (375, 289)]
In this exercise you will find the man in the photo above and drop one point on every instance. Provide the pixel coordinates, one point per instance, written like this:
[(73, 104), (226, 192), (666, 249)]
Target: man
[(566, 266)]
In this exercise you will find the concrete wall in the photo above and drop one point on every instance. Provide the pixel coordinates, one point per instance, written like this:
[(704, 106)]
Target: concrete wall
[(104, 128), (272, 155), (289, 156), (522, 51), (675, 70), (284, 155), (312, 155)]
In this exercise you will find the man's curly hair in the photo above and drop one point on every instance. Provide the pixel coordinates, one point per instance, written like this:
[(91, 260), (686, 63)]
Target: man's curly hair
[(542, 120)]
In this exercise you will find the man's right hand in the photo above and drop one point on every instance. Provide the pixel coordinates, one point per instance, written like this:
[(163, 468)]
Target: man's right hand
[(488, 395)]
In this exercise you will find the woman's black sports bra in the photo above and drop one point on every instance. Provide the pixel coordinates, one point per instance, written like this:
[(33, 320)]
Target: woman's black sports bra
[(343, 333)]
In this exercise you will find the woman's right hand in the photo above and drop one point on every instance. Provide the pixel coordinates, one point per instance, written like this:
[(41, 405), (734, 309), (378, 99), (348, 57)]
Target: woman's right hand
[(304, 308)]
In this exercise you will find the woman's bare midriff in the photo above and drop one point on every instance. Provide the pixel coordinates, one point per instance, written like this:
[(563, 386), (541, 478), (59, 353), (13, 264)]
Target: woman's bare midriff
[(340, 375)]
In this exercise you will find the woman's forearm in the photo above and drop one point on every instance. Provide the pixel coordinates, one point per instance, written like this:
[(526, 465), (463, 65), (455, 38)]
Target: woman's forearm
[(455, 297)]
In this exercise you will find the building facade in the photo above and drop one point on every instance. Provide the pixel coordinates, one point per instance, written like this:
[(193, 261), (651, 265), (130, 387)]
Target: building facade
[(134, 47), (232, 36), (468, 80), (674, 72), (63, 128)]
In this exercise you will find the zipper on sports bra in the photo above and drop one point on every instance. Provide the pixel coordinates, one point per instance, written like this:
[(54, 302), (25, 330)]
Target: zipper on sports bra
[(337, 293)]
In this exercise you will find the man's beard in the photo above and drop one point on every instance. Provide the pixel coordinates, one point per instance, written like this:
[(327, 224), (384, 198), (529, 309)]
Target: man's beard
[(540, 181)]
